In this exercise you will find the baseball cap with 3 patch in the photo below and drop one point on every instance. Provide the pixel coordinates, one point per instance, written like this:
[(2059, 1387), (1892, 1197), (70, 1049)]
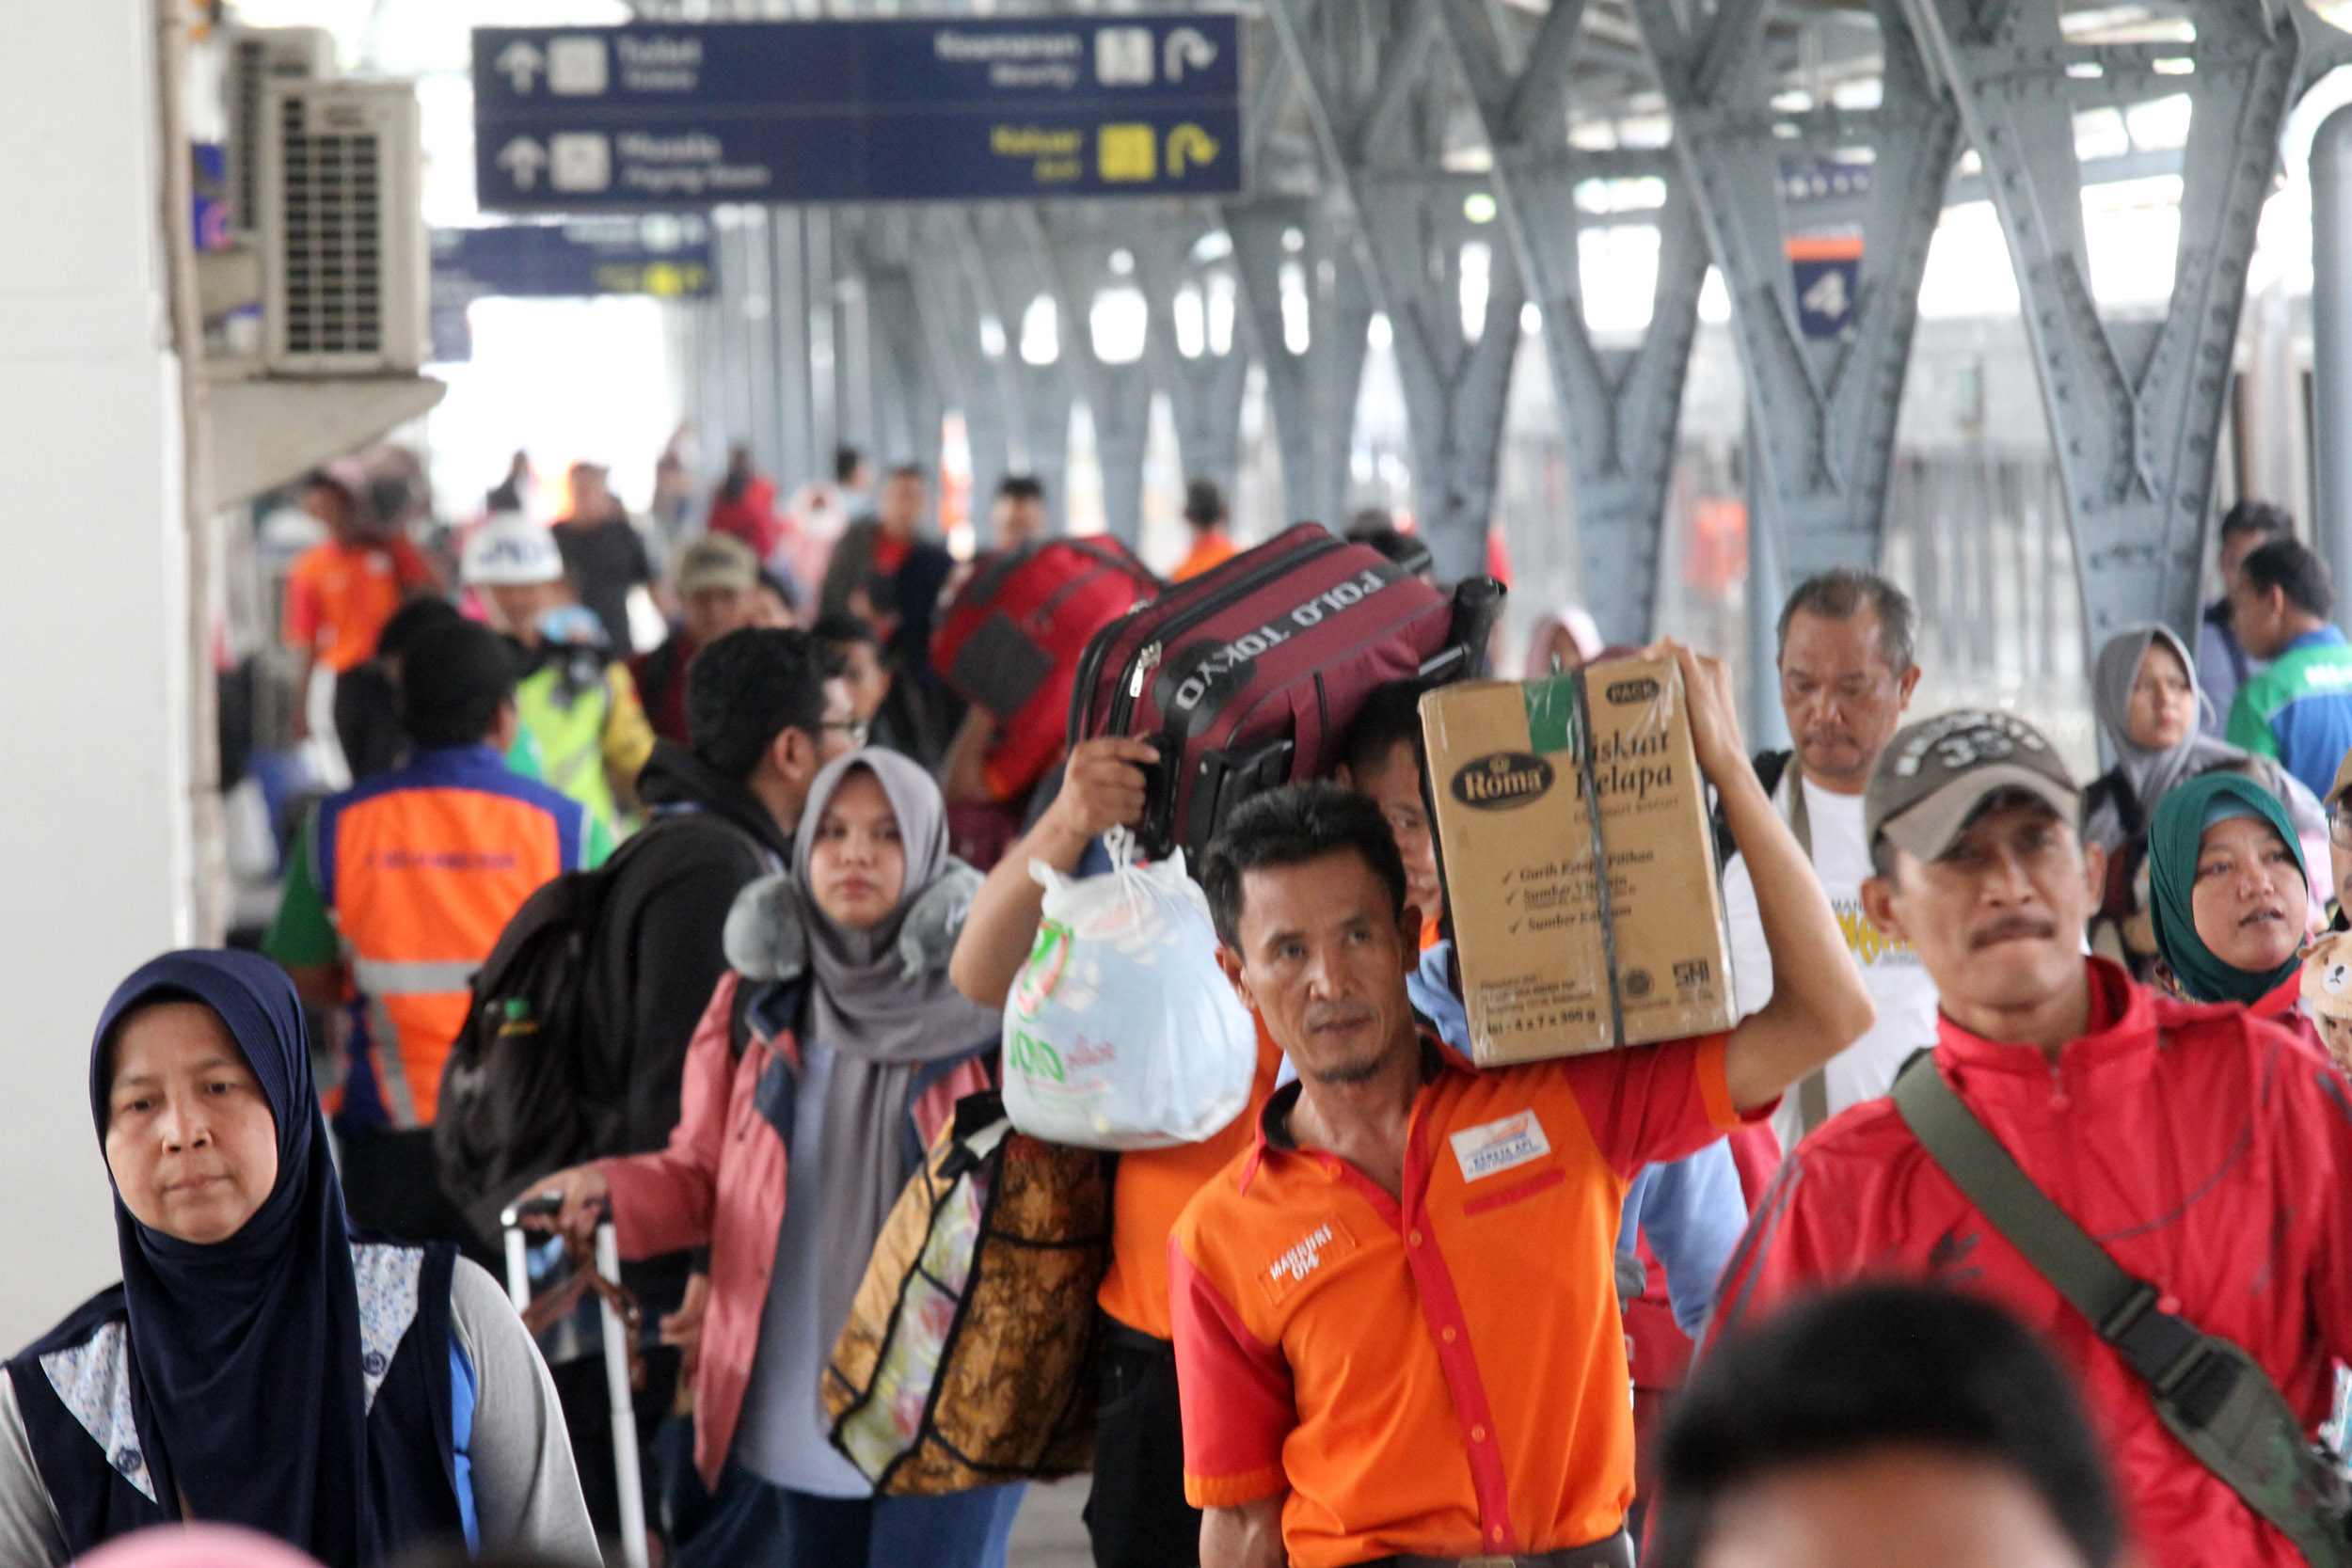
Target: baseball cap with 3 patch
[(1936, 776)]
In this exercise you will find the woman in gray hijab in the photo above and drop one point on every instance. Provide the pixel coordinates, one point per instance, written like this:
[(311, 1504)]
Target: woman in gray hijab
[(830, 1053), (2147, 699)]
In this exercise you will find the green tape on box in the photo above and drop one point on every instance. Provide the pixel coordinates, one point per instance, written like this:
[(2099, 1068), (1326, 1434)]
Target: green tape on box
[(1550, 714)]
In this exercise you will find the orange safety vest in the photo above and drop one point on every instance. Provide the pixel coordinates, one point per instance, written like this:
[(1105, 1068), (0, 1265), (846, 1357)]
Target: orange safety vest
[(423, 869)]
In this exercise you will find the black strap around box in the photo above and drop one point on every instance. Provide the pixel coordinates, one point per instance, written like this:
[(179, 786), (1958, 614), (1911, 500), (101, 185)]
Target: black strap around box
[(1583, 720)]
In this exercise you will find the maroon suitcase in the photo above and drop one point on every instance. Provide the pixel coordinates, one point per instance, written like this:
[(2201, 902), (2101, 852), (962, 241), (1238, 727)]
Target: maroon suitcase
[(1249, 675)]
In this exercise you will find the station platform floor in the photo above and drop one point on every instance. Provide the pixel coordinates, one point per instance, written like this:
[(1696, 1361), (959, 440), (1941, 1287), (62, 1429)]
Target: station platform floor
[(1049, 1533)]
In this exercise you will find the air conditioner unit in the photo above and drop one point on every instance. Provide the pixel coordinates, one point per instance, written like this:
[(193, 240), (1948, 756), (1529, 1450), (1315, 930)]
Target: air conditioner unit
[(258, 56), (346, 262)]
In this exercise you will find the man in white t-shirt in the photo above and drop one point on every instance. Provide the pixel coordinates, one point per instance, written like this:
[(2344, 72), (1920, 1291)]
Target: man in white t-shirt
[(1846, 677)]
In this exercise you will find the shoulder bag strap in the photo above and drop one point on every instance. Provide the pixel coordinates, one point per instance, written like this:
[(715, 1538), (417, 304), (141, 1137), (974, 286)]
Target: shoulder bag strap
[(2213, 1396), (1813, 1088)]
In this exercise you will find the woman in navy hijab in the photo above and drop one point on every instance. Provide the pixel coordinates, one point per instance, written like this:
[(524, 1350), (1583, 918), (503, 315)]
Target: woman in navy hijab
[(259, 1366)]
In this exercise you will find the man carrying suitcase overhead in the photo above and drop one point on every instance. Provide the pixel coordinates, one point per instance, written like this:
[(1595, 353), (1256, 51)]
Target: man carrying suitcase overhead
[(1397, 1334), (2158, 1190), (1304, 622)]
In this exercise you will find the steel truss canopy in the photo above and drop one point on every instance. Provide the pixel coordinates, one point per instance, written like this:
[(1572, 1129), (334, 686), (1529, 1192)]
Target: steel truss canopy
[(1407, 157)]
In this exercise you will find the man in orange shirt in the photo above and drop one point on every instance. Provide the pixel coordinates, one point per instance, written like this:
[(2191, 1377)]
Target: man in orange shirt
[(343, 590), (1212, 542), (1136, 1514), (1395, 1317)]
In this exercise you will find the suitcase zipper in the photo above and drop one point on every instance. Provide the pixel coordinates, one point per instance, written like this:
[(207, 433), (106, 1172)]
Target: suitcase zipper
[(1123, 702), (1146, 662), (1098, 648)]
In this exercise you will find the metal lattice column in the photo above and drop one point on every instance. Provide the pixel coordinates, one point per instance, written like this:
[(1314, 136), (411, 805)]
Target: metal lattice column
[(1313, 391), (906, 392), (1204, 392), (2134, 407), (1822, 409), (903, 385), (1454, 383), (1381, 115), (1010, 269), (1620, 409), (974, 382), (1118, 395)]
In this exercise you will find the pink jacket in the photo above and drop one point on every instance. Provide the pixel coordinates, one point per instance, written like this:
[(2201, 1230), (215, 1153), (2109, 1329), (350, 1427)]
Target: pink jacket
[(720, 1182)]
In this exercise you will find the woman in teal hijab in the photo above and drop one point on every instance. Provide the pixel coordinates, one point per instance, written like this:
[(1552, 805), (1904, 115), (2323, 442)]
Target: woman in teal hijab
[(2230, 896)]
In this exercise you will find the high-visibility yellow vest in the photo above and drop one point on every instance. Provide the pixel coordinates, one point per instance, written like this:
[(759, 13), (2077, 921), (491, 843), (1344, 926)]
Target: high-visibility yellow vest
[(569, 729)]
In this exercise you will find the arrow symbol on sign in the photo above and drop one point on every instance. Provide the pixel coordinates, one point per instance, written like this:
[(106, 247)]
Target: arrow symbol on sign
[(523, 160), (520, 63), (1186, 46)]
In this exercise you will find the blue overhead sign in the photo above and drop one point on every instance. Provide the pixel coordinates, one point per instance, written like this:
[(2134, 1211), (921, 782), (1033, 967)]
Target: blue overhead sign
[(587, 118), (665, 255)]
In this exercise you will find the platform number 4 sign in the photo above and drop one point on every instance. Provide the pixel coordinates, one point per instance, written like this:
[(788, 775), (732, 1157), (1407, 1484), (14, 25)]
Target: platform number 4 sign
[(1827, 274)]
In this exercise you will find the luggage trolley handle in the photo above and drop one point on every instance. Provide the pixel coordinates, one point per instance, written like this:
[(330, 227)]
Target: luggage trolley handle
[(538, 1206), (629, 1478)]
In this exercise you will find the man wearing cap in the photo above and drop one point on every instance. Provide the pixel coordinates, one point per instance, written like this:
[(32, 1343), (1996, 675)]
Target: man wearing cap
[(398, 890), (341, 591), (718, 577), (2206, 1151)]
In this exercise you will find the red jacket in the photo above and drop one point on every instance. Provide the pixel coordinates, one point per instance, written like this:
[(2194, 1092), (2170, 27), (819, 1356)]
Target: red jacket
[(722, 1181), (2210, 1154), (2284, 1007), (750, 517)]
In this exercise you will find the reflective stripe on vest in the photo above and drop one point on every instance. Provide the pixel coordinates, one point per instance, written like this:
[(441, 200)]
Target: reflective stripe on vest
[(571, 737), (424, 880)]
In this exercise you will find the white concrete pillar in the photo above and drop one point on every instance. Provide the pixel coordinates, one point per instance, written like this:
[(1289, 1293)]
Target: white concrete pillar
[(94, 834)]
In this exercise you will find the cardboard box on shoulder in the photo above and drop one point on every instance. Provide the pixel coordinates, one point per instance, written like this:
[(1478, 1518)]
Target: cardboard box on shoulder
[(1511, 764)]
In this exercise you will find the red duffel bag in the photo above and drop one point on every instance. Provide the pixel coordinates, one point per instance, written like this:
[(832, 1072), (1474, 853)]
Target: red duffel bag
[(1248, 676), (1010, 639)]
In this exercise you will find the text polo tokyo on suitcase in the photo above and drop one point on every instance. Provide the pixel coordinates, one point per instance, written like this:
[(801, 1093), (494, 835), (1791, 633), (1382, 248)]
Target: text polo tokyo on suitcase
[(1249, 676)]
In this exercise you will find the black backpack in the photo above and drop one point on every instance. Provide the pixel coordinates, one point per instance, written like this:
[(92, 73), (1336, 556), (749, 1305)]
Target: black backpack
[(522, 1094), (1770, 767)]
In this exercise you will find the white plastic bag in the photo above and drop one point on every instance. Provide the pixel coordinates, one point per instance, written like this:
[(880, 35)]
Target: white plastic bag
[(1121, 1031)]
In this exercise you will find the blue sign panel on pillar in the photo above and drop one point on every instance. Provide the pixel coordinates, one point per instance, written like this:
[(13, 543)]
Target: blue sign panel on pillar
[(1828, 272), (589, 119)]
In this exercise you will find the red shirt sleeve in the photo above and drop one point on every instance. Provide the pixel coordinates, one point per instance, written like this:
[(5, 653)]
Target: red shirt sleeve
[(409, 562), (1656, 1102), (1234, 1391)]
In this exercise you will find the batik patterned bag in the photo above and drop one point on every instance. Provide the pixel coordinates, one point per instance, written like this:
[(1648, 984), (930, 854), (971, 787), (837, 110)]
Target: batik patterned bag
[(971, 1354)]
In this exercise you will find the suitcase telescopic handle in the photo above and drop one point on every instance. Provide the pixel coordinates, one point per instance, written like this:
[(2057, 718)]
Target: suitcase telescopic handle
[(538, 1206), (623, 1413), (1477, 606)]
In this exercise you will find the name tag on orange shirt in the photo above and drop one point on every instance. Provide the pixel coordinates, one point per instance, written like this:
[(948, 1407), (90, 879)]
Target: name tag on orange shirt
[(1304, 1256), (1494, 1147)]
